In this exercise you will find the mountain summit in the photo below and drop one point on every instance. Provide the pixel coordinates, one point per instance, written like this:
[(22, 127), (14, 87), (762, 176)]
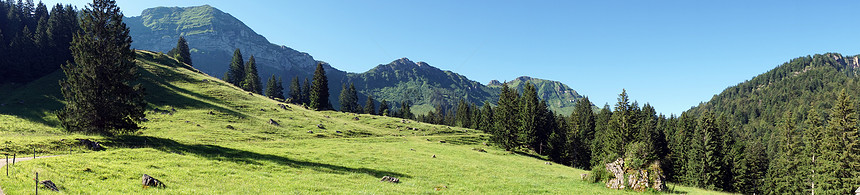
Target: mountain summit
[(212, 36)]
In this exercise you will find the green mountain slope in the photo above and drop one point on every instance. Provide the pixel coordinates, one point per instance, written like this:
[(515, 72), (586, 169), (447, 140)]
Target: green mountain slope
[(204, 136), (797, 85), (213, 35)]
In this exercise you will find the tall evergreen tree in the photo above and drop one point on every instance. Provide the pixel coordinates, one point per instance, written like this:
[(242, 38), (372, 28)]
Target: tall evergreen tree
[(601, 137), (507, 123), (370, 106), (97, 86), (529, 120), (252, 80), (181, 52), (711, 162), (295, 91), (236, 72), (319, 91), (581, 135), (840, 157), (813, 141), (782, 176), (405, 110)]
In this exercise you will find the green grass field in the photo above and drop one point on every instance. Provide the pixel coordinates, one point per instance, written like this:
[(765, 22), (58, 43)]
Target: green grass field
[(204, 136)]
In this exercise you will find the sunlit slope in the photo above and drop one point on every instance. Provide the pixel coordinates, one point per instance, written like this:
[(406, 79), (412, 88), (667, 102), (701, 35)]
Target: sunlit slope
[(203, 136)]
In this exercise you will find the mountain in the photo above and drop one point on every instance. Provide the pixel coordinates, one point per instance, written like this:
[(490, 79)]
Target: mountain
[(213, 35), (421, 84), (802, 83), (559, 97)]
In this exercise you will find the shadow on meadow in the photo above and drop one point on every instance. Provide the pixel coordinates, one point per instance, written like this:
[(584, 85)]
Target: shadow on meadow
[(214, 152)]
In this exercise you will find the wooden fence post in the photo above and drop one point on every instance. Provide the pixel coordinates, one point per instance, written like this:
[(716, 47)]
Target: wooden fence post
[(37, 183), (7, 165)]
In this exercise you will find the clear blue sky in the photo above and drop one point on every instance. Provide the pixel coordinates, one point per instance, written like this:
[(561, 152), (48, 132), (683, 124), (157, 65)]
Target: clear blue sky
[(672, 54)]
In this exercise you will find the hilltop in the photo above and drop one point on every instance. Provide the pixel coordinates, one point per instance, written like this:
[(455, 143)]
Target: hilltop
[(205, 136)]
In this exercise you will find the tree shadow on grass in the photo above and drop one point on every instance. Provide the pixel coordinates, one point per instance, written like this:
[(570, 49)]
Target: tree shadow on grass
[(214, 152)]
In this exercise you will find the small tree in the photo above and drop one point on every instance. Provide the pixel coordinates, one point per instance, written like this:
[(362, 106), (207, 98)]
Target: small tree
[(181, 52), (236, 72), (252, 80), (295, 91), (384, 108), (369, 106), (274, 88)]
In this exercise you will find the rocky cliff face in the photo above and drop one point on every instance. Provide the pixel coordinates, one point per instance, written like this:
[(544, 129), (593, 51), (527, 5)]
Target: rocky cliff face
[(212, 36)]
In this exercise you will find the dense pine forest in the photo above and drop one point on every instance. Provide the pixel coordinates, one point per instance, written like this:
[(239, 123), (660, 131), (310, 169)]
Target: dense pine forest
[(34, 41)]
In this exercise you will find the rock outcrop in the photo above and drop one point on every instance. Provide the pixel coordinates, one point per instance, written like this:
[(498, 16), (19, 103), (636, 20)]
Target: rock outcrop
[(638, 180)]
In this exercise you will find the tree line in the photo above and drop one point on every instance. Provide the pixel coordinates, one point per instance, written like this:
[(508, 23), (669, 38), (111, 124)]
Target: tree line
[(34, 41)]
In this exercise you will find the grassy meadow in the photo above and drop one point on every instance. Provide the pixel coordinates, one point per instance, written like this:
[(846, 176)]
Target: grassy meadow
[(203, 136)]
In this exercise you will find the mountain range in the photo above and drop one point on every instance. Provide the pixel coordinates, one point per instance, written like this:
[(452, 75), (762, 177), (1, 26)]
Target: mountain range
[(213, 35)]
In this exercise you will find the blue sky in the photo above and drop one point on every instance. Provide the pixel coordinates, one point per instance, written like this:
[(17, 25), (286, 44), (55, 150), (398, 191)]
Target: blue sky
[(671, 54)]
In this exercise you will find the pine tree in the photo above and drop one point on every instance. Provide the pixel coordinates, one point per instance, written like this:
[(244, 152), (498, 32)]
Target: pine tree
[(279, 89), (621, 126), (319, 91), (507, 123), (369, 106), (751, 169), (711, 161), (97, 91), (181, 52), (581, 134), (839, 158), (487, 121), (383, 108), (528, 117), (295, 91), (236, 73), (782, 177), (601, 136), (274, 89), (349, 99), (812, 149), (405, 110), (464, 114), (252, 80), (306, 92)]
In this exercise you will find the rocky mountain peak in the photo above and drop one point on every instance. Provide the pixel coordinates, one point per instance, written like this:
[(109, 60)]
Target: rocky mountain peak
[(494, 83)]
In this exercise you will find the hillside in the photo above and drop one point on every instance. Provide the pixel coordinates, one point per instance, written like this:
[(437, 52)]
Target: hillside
[(204, 136), (213, 35), (798, 85)]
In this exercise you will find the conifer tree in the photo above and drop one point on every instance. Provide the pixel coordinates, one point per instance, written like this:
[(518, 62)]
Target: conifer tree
[(295, 91), (464, 114), (181, 52), (383, 108), (97, 85), (782, 175), (711, 161), (505, 116), (839, 158), (405, 110), (370, 106), (529, 120), (487, 121), (306, 92), (274, 88), (601, 136), (349, 99), (236, 73), (581, 134), (319, 91), (812, 150), (252, 80)]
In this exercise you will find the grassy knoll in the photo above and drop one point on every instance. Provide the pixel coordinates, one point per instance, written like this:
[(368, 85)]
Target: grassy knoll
[(206, 137)]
